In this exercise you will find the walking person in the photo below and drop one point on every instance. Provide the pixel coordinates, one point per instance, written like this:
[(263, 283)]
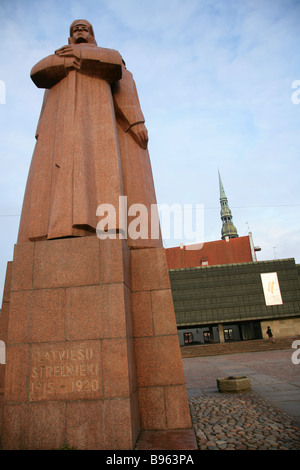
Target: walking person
[(270, 334)]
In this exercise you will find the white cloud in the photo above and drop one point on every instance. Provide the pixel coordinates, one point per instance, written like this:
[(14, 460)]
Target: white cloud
[(214, 80)]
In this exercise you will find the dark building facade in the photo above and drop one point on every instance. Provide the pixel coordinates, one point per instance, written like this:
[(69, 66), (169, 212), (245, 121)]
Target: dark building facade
[(236, 301)]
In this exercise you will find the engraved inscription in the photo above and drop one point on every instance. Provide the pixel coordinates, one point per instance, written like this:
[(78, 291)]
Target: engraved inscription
[(65, 371)]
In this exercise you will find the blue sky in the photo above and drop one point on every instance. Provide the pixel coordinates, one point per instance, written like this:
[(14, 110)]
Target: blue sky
[(215, 85)]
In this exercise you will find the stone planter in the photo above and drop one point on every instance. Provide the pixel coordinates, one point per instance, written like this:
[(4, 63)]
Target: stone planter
[(234, 384)]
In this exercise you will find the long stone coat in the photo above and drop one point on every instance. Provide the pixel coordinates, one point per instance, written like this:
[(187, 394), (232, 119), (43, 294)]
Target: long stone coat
[(84, 154)]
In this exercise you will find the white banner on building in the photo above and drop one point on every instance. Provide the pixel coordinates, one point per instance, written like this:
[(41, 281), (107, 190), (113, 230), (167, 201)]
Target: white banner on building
[(271, 288)]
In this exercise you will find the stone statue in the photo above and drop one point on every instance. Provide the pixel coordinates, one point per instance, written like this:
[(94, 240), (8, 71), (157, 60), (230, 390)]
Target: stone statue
[(98, 315), (91, 142)]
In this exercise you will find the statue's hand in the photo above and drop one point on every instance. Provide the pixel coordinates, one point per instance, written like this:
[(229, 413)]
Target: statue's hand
[(70, 51), (140, 134)]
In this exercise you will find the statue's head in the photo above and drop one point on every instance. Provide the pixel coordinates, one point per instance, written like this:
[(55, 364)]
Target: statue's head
[(81, 31)]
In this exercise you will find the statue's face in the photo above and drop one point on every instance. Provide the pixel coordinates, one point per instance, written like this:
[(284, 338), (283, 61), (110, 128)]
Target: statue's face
[(81, 33)]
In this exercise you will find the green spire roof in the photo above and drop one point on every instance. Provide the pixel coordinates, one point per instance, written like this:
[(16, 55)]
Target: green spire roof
[(228, 229)]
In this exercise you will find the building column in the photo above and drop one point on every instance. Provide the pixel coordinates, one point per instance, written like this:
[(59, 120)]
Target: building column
[(221, 332)]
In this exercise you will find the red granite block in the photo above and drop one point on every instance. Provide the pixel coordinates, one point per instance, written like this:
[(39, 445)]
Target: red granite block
[(4, 321), (158, 361), (135, 416), (85, 427), (177, 408), (19, 315), (37, 315), (33, 426), (164, 320), (152, 408), (168, 439), (22, 266), (66, 262), (115, 368), (15, 427), (114, 261), (141, 313), (149, 269), (7, 283), (119, 422), (95, 312), (128, 310), (47, 315), (132, 365), (46, 426), (2, 379), (17, 370), (99, 425)]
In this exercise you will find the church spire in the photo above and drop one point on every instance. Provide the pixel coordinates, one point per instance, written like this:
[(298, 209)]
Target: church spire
[(228, 229)]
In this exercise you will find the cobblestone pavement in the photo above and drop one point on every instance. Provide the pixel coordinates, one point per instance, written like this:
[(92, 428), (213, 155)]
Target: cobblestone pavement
[(241, 422), (265, 418)]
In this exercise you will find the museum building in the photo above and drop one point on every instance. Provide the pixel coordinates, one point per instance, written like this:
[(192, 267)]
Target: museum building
[(222, 293)]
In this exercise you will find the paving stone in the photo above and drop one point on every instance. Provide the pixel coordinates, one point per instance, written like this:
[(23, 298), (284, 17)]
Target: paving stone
[(254, 424)]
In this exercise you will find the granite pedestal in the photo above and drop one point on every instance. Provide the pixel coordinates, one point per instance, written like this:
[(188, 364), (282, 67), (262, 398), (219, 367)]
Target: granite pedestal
[(93, 357)]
